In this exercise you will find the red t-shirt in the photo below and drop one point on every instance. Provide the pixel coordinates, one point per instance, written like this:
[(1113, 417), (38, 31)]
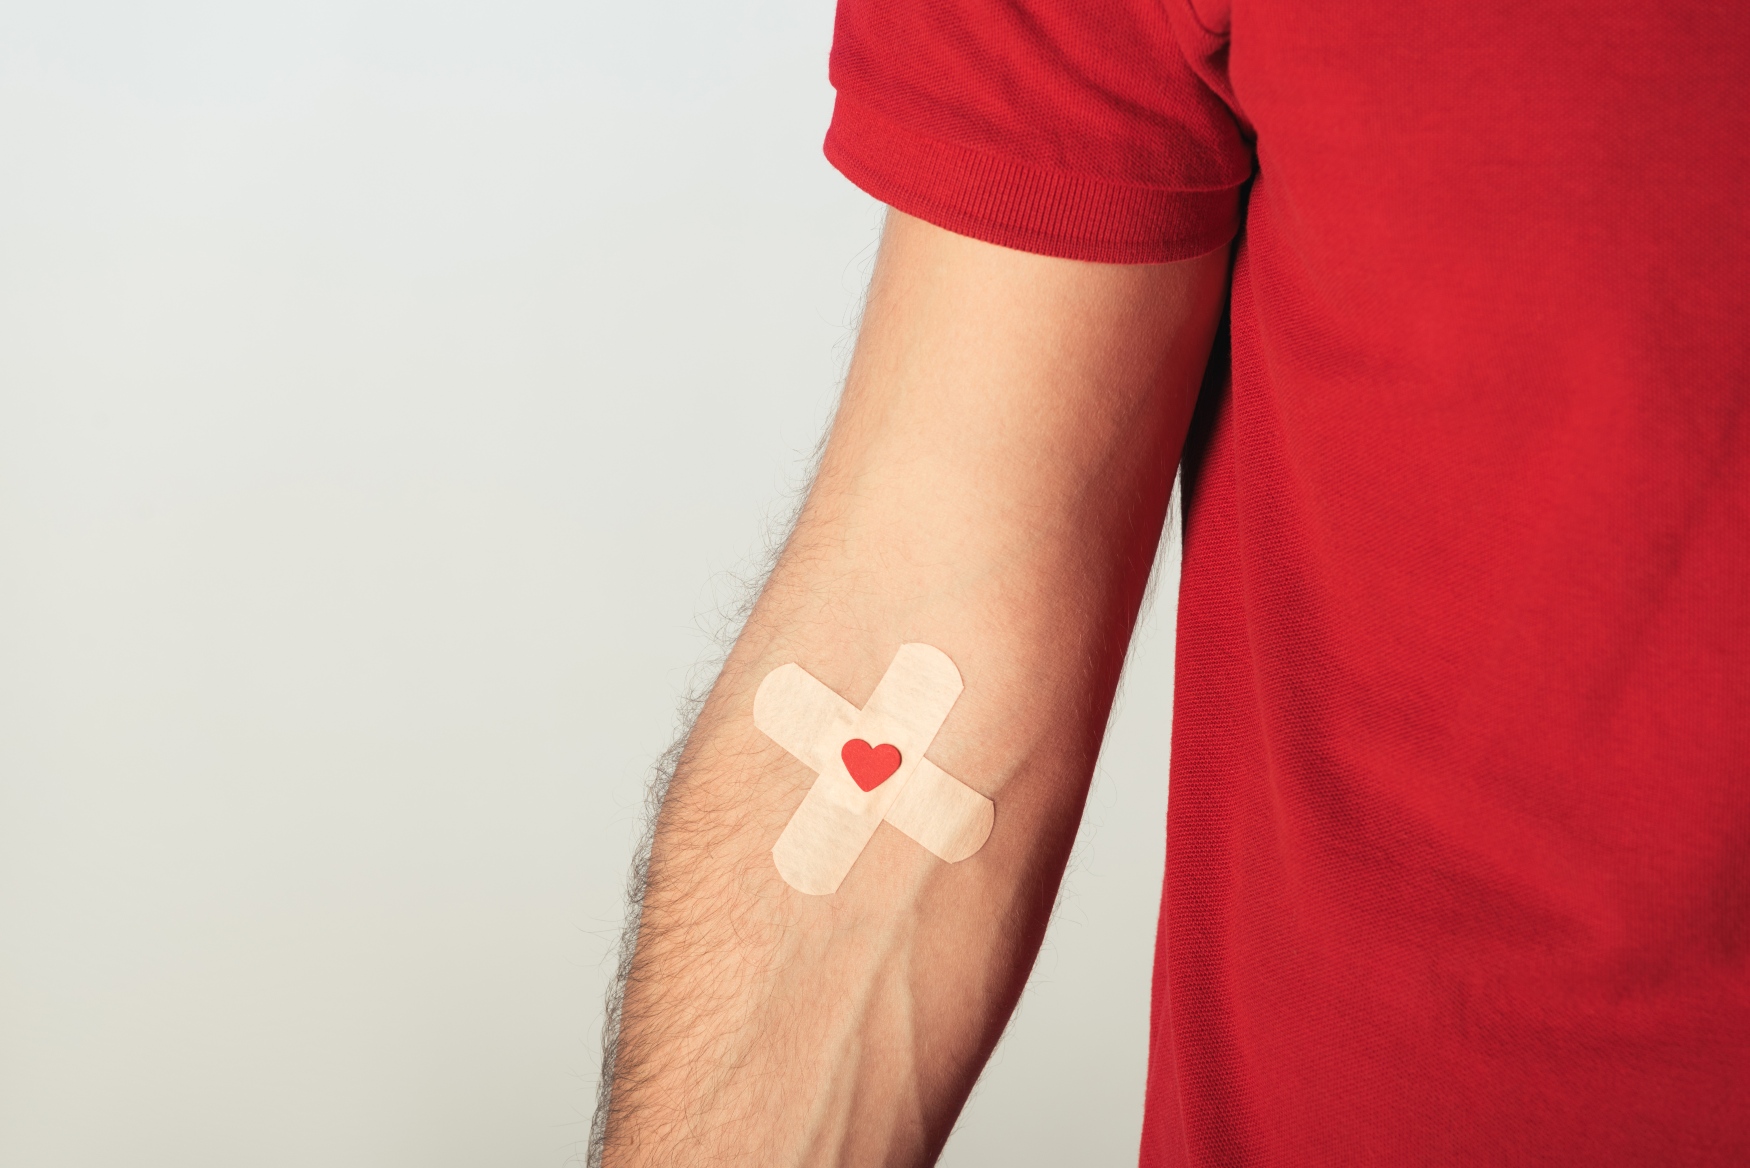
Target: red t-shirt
[(1458, 849)]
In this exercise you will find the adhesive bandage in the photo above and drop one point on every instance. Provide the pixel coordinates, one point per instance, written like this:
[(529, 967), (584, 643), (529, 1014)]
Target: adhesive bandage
[(871, 766)]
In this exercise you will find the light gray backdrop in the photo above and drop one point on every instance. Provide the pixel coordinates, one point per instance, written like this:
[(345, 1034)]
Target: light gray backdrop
[(389, 396)]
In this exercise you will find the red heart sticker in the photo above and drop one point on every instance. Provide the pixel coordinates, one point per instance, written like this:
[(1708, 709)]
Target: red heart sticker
[(870, 766)]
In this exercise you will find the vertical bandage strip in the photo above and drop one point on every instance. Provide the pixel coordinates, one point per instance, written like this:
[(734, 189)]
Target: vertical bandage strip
[(836, 819)]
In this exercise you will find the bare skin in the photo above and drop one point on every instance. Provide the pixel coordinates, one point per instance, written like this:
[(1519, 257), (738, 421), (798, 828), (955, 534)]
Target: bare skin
[(995, 485)]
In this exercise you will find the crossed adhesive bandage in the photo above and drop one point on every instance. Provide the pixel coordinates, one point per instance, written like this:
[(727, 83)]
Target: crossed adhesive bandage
[(871, 766)]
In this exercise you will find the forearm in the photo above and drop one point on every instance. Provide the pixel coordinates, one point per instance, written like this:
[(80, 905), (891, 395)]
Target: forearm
[(994, 486)]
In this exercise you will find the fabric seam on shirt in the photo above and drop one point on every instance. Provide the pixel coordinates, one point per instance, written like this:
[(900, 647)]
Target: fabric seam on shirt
[(1195, 230)]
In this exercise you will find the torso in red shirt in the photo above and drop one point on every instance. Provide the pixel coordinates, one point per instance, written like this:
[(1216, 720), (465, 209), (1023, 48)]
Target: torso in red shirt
[(1459, 832)]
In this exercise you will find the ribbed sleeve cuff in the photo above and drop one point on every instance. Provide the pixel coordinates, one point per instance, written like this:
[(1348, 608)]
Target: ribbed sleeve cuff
[(1029, 208)]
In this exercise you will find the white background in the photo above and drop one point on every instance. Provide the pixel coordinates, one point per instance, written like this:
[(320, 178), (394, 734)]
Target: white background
[(389, 396)]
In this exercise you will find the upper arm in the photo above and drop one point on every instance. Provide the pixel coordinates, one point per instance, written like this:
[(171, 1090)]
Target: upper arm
[(996, 393)]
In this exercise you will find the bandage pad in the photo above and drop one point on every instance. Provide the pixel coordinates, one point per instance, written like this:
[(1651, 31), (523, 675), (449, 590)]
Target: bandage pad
[(838, 816)]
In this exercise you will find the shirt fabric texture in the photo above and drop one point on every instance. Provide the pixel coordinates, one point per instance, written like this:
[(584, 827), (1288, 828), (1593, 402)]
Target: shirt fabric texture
[(1458, 841)]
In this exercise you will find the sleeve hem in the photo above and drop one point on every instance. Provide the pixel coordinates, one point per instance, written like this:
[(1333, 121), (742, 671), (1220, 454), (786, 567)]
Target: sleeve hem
[(1018, 205)]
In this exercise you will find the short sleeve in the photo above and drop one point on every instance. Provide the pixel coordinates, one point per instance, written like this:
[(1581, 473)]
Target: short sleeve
[(1073, 128)]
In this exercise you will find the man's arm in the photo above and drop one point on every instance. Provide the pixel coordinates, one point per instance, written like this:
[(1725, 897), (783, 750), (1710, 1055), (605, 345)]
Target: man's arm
[(994, 485)]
